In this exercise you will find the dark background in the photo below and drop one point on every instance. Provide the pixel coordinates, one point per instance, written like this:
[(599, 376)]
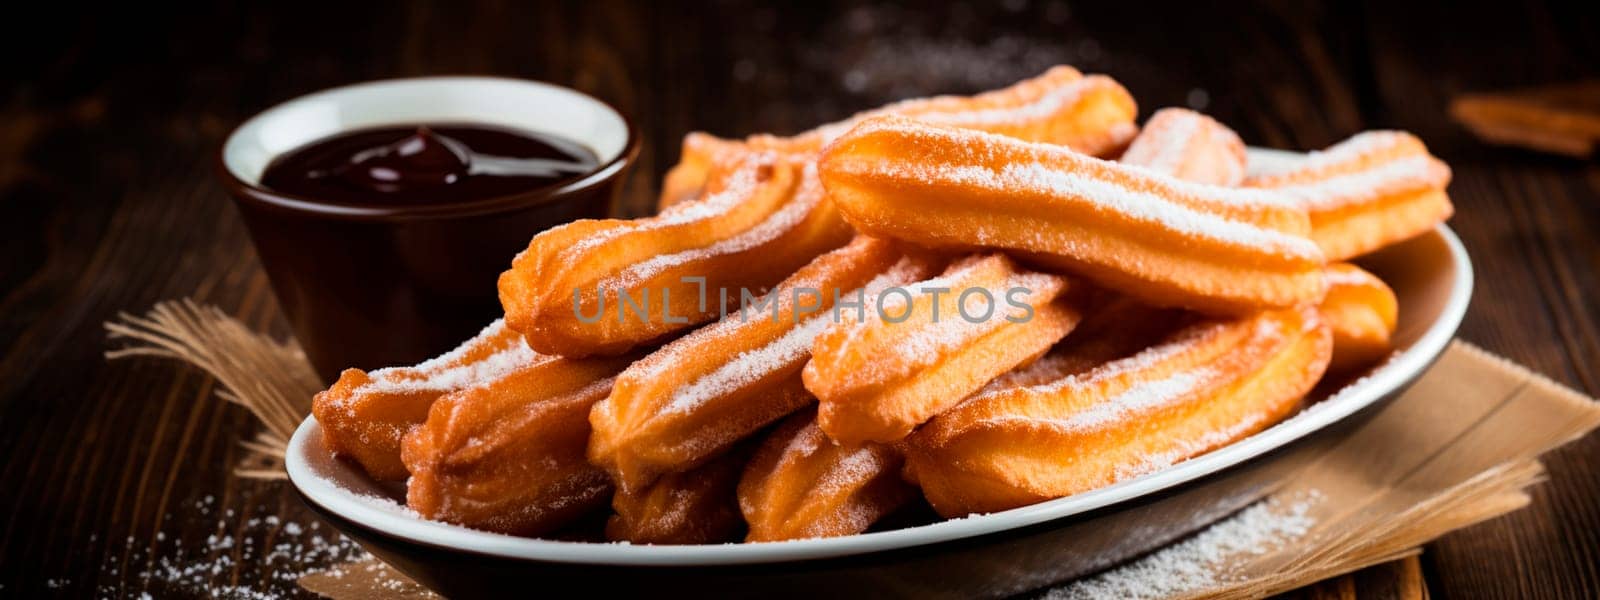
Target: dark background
[(110, 116)]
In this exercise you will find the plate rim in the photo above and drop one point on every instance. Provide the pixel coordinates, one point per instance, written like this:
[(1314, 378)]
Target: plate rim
[(394, 521)]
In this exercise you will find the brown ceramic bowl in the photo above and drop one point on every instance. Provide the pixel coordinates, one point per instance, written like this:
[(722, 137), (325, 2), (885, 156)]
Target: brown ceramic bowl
[(371, 286)]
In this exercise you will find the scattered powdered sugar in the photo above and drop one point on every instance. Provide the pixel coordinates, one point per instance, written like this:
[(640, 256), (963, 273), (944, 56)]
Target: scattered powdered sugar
[(382, 503), (902, 273), (269, 552), (1337, 400), (1202, 561)]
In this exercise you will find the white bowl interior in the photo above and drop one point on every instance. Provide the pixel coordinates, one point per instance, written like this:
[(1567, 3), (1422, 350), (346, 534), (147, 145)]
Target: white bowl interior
[(1431, 276), (513, 103)]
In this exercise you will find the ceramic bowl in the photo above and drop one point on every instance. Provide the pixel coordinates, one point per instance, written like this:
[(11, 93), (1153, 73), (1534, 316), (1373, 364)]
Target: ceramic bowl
[(374, 285)]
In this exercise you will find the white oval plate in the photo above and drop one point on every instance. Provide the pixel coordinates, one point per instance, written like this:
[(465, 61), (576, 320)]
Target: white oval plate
[(1431, 274)]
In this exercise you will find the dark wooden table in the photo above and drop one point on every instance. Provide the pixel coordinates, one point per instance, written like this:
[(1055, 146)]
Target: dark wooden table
[(111, 117)]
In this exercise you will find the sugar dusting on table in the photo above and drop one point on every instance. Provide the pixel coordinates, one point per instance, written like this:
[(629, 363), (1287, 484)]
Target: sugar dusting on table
[(265, 555), (1202, 561)]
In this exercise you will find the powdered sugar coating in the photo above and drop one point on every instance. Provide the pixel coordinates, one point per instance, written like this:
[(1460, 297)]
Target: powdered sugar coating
[(784, 219), (922, 339), (1366, 143), (749, 366), (1146, 207), (1047, 105), (1162, 145), (792, 347), (1351, 277), (1136, 204), (1142, 397), (975, 112), (980, 146), (451, 371), (740, 185), (1389, 178)]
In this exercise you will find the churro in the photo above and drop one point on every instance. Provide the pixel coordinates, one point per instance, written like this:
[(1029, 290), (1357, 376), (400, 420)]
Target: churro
[(1206, 386), (1362, 312), (1112, 328), (800, 484), (365, 415), (606, 286), (700, 394), (698, 506), (1189, 146), (1367, 192), (508, 456), (921, 349), (1160, 239)]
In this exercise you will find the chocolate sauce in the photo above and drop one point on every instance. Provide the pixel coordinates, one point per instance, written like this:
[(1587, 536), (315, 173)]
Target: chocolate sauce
[(427, 164)]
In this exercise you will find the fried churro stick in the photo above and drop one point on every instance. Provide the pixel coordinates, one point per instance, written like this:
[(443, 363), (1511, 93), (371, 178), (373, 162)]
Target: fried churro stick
[(606, 286), (1367, 192), (698, 395), (702, 154), (1562, 118), (1113, 328), (1092, 114), (1163, 240), (1362, 312), (800, 484), (365, 415), (917, 352), (1189, 146), (698, 506), (1206, 386), (508, 456)]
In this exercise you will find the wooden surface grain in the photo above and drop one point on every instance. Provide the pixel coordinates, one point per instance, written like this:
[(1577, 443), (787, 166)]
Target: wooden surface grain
[(108, 203)]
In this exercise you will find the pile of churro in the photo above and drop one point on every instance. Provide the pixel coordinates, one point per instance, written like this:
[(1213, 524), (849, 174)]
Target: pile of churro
[(973, 303)]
